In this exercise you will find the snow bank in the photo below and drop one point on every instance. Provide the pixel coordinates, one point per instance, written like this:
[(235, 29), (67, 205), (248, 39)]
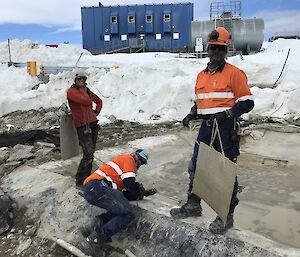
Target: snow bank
[(147, 86)]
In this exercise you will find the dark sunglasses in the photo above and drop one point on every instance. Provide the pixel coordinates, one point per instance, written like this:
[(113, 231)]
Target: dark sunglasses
[(81, 78), (216, 47), (143, 162)]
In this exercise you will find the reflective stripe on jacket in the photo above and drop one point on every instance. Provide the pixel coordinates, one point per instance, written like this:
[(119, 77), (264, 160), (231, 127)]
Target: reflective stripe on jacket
[(219, 91), (115, 171)]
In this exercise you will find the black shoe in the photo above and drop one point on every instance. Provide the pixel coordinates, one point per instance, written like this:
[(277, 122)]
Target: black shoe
[(79, 183), (187, 210), (95, 225), (217, 226), (93, 245), (80, 187)]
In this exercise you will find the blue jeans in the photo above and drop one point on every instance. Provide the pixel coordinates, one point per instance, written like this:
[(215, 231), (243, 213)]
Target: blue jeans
[(119, 211), (231, 144)]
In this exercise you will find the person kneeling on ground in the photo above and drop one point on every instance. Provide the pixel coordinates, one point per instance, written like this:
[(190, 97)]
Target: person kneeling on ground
[(111, 187)]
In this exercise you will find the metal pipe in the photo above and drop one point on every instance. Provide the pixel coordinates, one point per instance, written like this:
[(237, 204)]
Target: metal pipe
[(78, 60), (70, 248), (282, 68), (8, 43), (129, 253)]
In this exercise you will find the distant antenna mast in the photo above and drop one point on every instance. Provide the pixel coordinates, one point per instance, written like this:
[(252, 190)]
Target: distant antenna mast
[(78, 60), (8, 43)]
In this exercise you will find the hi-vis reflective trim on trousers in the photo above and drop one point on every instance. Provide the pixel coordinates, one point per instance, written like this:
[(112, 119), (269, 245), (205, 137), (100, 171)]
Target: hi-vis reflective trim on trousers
[(212, 110), (101, 173), (215, 95), (120, 172)]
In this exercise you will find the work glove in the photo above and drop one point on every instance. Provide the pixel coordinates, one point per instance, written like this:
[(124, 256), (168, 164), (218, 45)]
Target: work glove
[(141, 193), (187, 119), (138, 195), (149, 192), (144, 192)]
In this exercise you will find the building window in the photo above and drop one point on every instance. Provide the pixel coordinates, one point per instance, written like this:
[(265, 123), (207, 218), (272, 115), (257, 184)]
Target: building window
[(158, 36), (106, 37), (131, 19), (113, 19), (176, 35), (148, 18), (167, 17), (123, 37)]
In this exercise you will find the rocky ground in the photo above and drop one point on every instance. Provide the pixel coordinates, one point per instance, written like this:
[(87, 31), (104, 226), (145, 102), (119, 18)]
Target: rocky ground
[(18, 229), (21, 239), (42, 147)]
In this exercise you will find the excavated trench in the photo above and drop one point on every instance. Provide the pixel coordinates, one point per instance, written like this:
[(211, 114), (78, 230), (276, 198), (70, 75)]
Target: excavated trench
[(160, 236)]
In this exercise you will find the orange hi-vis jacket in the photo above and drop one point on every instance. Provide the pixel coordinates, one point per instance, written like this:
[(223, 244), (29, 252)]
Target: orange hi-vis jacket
[(115, 171), (220, 90)]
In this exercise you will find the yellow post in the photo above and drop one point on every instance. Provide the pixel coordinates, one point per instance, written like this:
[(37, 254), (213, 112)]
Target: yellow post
[(41, 69), (31, 68)]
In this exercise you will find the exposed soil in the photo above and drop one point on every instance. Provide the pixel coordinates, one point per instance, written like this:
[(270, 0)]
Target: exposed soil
[(113, 134), (262, 193)]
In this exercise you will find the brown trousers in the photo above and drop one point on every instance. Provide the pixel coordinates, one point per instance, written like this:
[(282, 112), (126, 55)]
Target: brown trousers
[(87, 140)]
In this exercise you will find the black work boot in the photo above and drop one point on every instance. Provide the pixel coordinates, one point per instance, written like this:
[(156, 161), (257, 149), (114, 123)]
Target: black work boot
[(191, 208), (95, 224), (93, 245), (218, 227)]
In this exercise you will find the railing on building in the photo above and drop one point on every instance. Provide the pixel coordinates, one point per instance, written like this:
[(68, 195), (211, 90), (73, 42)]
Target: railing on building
[(217, 9), (132, 45), (224, 14)]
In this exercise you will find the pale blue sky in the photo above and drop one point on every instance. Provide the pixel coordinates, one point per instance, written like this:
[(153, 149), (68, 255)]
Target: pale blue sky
[(57, 21)]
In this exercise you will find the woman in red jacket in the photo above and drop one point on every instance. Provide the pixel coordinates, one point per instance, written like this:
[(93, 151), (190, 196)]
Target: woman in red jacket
[(80, 99)]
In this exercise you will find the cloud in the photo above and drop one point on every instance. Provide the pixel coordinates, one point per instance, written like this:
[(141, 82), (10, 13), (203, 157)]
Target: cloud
[(280, 21), (63, 13), (66, 13), (66, 29)]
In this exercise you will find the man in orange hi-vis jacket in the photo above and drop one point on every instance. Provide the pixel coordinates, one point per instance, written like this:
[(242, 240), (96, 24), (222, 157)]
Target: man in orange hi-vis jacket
[(221, 93), (111, 187)]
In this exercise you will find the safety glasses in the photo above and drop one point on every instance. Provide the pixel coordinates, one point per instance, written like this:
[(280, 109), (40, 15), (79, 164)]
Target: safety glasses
[(216, 47), (142, 160), (81, 78)]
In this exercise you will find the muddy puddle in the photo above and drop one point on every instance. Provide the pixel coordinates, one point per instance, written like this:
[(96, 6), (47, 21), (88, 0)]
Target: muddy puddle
[(269, 204)]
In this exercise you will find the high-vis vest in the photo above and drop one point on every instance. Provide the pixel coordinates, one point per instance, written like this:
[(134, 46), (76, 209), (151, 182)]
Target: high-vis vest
[(219, 91), (115, 171)]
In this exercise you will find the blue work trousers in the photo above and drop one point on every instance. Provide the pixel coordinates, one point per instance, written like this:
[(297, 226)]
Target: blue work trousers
[(119, 211), (230, 141)]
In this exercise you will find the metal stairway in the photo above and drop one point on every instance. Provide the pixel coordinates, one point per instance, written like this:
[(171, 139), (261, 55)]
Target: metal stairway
[(227, 24), (133, 45), (224, 15)]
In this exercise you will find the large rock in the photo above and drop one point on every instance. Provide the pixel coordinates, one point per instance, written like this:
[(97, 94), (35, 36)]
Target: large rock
[(20, 152), (9, 167), (155, 235), (4, 155), (5, 207)]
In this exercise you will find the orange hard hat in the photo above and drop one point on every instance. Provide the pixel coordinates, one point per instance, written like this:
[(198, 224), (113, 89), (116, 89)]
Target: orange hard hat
[(219, 36)]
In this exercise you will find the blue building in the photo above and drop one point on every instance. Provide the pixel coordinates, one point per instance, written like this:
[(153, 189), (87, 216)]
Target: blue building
[(163, 27)]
